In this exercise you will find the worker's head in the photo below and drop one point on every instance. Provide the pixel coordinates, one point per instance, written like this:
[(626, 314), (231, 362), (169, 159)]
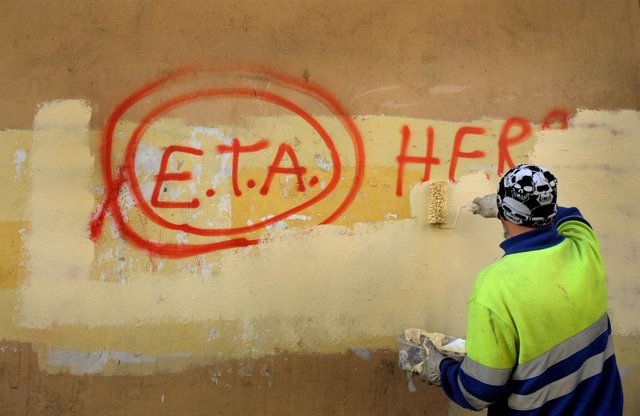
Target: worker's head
[(527, 196)]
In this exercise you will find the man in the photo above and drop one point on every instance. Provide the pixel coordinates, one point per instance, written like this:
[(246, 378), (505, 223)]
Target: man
[(538, 337)]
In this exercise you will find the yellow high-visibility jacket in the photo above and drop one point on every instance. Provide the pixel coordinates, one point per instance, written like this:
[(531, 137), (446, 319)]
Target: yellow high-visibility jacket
[(539, 337)]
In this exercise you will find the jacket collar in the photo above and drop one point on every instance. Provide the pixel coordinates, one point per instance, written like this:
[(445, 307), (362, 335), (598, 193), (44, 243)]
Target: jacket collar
[(537, 239)]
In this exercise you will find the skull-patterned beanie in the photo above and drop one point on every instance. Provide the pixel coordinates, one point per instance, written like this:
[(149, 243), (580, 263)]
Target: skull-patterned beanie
[(527, 196)]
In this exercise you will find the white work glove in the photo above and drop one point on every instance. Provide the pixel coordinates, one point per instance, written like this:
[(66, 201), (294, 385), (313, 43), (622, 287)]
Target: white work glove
[(487, 206), (431, 367)]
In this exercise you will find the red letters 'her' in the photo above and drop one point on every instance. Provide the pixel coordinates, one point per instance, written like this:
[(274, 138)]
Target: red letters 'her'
[(506, 140), (457, 153), (403, 159)]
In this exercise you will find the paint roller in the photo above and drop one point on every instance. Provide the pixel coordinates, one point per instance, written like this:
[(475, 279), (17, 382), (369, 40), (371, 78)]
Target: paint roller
[(437, 205)]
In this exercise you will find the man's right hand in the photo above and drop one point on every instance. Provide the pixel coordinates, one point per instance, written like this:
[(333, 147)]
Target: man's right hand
[(487, 206)]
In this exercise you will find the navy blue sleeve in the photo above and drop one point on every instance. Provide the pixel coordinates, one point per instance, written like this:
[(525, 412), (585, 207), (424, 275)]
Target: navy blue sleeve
[(463, 383), (449, 370), (568, 214)]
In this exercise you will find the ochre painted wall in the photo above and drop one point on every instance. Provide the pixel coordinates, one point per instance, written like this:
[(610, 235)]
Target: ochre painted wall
[(220, 207)]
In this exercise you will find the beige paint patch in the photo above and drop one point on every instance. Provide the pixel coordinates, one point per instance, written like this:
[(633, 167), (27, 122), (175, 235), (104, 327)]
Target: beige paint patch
[(597, 165), (60, 201), (58, 247), (358, 279)]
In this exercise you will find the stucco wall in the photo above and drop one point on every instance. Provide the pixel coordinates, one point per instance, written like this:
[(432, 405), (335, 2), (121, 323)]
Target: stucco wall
[(208, 207)]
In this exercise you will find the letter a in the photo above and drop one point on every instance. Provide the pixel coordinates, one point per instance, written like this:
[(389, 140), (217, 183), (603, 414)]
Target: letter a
[(276, 168)]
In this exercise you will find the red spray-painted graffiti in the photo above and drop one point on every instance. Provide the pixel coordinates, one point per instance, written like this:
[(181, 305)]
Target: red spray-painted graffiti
[(121, 160), (514, 130), (235, 149), (117, 177)]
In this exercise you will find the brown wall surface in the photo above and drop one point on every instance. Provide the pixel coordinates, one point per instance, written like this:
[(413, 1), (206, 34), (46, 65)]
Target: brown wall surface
[(384, 61), (345, 384), (521, 58)]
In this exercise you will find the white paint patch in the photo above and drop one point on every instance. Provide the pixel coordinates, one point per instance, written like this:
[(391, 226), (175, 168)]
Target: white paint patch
[(79, 362), (175, 194), (375, 90), (147, 162), (362, 353), (224, 206), (182, 237), (126, 200), (197, 172), (299, 217), (218, 180), (395, 104), (245, 370), (323, 164), (214, 376), (448, 89), (147, 189), (19, 158), (213, 334), (209, 132), (225, 162), (391, 215), (277, 226), (197, 214)]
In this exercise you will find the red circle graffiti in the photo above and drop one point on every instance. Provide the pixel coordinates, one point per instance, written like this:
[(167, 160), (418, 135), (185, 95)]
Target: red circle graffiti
[(114, 181), (246, 93)]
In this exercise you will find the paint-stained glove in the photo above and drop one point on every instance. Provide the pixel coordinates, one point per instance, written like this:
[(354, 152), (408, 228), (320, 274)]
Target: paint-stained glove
[(487, 206), (431, 366)]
